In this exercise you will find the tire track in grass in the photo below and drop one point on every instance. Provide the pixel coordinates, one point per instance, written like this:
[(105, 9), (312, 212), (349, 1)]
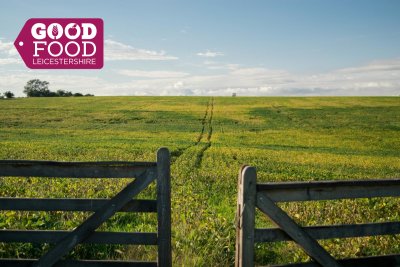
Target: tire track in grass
[(193, 155), (203, 123), (190, 192), (179, 154), (200, 154), (210, 128)]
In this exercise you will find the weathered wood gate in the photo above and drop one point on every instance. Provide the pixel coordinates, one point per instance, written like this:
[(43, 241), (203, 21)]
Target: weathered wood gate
[(64, 241), (265, 195)]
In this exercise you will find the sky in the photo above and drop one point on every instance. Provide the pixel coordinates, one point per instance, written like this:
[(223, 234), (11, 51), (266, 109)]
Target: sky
[(221, 47)]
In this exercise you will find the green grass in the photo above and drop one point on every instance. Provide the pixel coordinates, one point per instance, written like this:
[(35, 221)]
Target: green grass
[(286, 139)]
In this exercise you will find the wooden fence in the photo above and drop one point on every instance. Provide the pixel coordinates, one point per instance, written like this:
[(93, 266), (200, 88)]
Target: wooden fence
[(264, 196), (64, 241)]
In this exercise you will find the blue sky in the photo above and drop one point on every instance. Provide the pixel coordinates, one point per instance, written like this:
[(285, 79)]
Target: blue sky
[(283, 47)]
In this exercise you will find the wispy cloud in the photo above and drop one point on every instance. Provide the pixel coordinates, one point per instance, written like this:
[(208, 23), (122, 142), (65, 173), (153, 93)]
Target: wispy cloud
[(209, 53), (152, 74), (385, 65), (375, 78), (7, 48), (10, 60), (8, 54), (114, 50), (213, 65)]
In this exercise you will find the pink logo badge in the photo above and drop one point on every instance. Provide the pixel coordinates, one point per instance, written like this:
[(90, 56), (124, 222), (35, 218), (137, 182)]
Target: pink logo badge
[(64, 43)]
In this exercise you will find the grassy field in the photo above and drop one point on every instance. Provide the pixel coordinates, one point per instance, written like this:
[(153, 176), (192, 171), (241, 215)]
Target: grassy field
[(286, 139)]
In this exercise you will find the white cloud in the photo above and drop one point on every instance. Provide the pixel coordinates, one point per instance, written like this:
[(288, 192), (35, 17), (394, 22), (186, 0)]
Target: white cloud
[(152, 74), (7, 48), (10, 60), (209, 53), (8, 54), (376, 78), (118, 51), (112, 51), (214, 65), (259, 73), (178, 84), (386, 65)]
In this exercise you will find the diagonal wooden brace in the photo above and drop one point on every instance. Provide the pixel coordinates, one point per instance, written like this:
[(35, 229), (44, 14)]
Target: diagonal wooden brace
[(83, 231), (296, 232)]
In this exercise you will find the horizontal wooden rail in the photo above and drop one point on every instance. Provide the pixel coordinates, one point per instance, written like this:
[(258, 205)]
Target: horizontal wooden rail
[(331, 231), (68, 204), (374, 261), (330, 190), (74, 169), (88, 163), (47, 236), (78, 263)]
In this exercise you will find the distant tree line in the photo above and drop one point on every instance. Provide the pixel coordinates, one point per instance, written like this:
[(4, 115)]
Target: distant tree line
[(38, 88), (7, 94)]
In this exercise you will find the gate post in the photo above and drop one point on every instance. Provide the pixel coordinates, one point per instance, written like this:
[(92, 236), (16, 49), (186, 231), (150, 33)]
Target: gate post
[(164, 208), (245, 217)]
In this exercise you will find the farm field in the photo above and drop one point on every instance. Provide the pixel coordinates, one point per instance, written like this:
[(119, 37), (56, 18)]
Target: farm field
[(285, 138)]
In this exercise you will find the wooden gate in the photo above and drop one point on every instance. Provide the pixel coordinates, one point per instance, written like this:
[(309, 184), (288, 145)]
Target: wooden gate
[(64, 241), (264, 196)]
